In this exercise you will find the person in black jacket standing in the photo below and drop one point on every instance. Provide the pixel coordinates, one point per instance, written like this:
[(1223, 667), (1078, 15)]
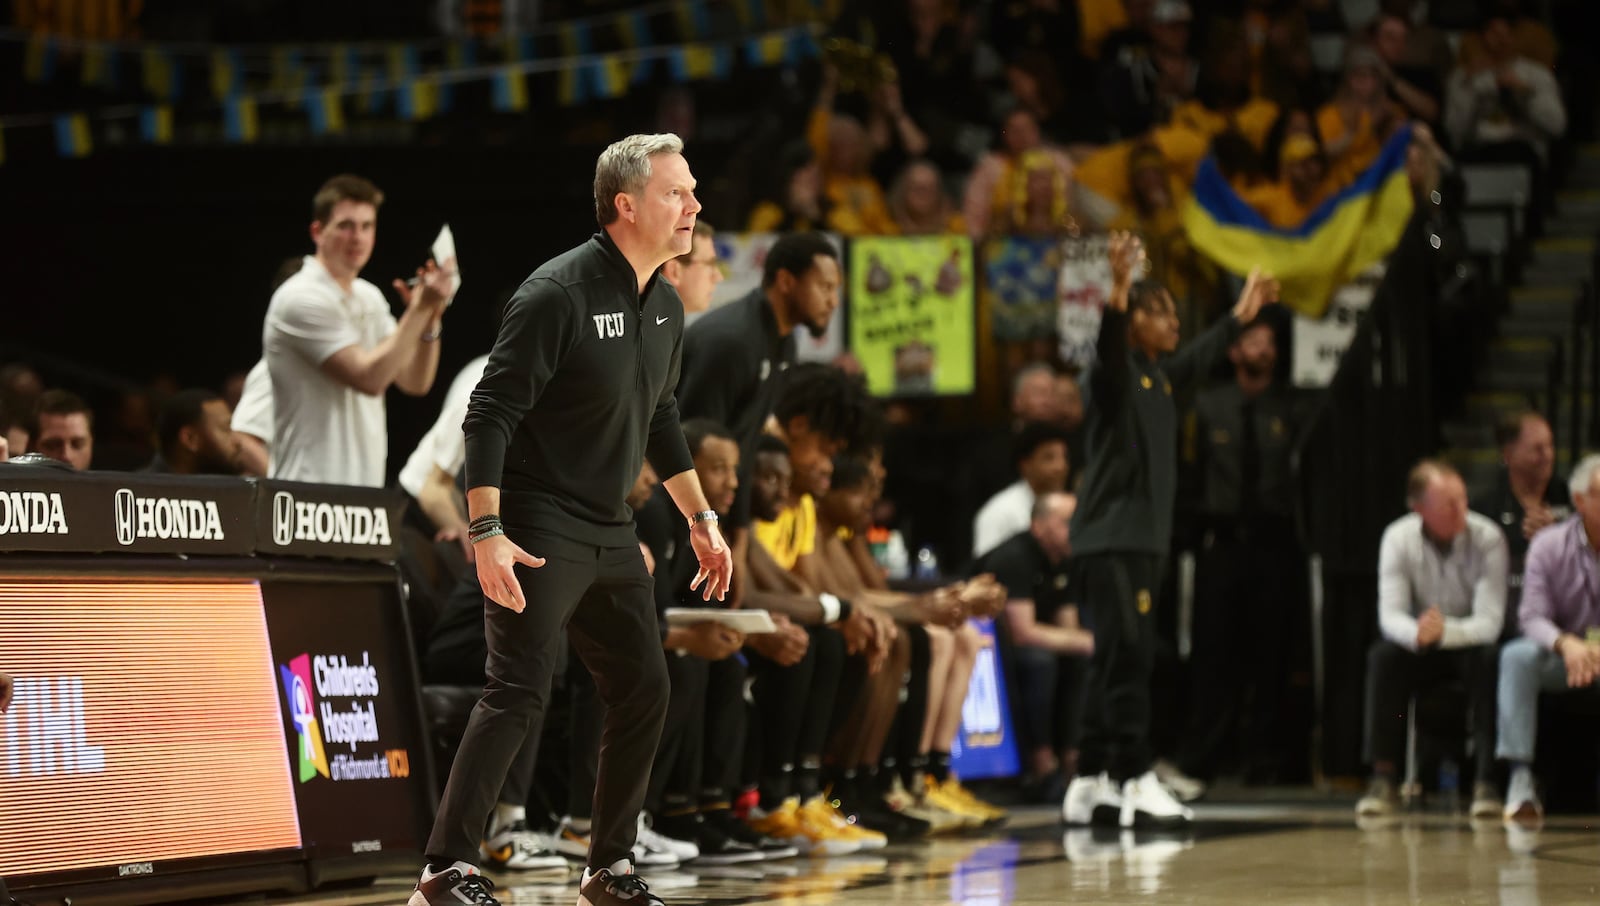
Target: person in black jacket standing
[(1123, 527), (578, 392)]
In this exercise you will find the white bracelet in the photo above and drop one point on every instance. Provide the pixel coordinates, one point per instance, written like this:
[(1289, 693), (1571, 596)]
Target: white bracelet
[(831, 606)]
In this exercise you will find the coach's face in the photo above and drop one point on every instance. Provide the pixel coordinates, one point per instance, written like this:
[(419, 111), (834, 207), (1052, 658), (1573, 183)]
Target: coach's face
[(666, 211)]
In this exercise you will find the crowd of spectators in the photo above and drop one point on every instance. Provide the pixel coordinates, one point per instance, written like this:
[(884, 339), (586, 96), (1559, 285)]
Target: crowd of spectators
[(1031, 117)]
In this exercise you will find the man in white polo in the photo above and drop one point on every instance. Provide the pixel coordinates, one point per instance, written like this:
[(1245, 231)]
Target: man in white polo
[(333, 348)]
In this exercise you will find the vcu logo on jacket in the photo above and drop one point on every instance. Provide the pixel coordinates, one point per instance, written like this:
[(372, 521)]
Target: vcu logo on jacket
[(610, 327)]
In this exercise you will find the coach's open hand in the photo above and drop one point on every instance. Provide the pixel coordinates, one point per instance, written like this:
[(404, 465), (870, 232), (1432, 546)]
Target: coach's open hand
[(716, 561), (497, 561)]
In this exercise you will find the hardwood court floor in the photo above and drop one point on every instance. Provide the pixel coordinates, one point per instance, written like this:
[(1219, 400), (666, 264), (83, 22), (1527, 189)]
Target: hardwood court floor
[(1235, 856)]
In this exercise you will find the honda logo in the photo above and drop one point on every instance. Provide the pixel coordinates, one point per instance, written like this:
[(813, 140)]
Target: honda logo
[(124, 516), (166, 518), (282, 518)]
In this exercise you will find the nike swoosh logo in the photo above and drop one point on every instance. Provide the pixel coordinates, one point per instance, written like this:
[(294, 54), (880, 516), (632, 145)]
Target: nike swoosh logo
[(660, 321)]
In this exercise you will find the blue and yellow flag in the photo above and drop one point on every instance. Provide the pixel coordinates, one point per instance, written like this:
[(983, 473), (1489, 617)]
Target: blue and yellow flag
[(1345, 235), (633, 29), (510, 90), (517, 47), (100, 65), (752, 13), (769, 50), (694, 20), (575, 39), (343, 66), (240, 121), (227, 74), (39, 59), (72, 135), (403, 63), (609, 76), (700, 61), (324, 110), (572, 85), (288, 70), (461, 54), (418, 100), (155, 124), (162, 76)]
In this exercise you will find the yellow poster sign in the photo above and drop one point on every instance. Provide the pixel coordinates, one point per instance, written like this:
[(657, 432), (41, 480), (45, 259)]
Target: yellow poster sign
[(912, 314)]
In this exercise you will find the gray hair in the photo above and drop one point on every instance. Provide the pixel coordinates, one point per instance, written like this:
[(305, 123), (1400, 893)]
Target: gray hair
[(624, 166), (1583, 474), (1027, 372)]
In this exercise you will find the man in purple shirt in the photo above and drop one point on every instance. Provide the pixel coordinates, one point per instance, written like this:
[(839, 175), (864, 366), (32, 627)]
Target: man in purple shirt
[(1560, 644)]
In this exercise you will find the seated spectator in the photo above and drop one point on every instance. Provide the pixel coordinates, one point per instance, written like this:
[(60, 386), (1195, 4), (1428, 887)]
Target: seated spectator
[(1503, 98), (1033, 83), (1531, 37), (1142, 83), (696, 273), (1427, 46), (1560, 621), (1041, 457), (1356, 123), (895, 138), (920, 205), (1523, 500), (931, 46), (1441, 604), (840, 141), (195, 436), (1302, 184), (1049, 644), (1000, 194), (63, 429), (1417, 88), (1034, 399), (796, 202)]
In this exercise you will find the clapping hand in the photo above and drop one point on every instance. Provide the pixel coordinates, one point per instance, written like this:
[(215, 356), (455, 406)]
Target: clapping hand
[(432, 287), (1260, 290), (1126, 252)]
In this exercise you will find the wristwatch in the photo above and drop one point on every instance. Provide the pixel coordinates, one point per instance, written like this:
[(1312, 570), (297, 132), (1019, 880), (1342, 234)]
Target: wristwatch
[(702, 516)]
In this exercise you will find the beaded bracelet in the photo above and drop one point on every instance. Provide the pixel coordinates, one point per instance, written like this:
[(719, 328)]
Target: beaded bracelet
[(491, 532), (484, 520)]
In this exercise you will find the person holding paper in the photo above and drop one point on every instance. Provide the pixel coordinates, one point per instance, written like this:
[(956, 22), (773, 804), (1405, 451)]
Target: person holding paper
[(697, 763), (333, 349), (577, 394)]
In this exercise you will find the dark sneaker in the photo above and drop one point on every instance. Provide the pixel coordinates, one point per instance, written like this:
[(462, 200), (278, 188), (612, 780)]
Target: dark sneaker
[(716, 847), (452, 888), (607, 889), (730, 826)]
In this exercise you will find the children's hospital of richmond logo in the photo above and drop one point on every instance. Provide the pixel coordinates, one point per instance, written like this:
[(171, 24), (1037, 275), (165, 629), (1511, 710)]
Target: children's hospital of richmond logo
[(296, 676)]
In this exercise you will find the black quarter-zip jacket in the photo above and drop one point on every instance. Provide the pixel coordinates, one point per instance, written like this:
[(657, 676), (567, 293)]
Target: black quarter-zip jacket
[(1126, 499), (578, 391)]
